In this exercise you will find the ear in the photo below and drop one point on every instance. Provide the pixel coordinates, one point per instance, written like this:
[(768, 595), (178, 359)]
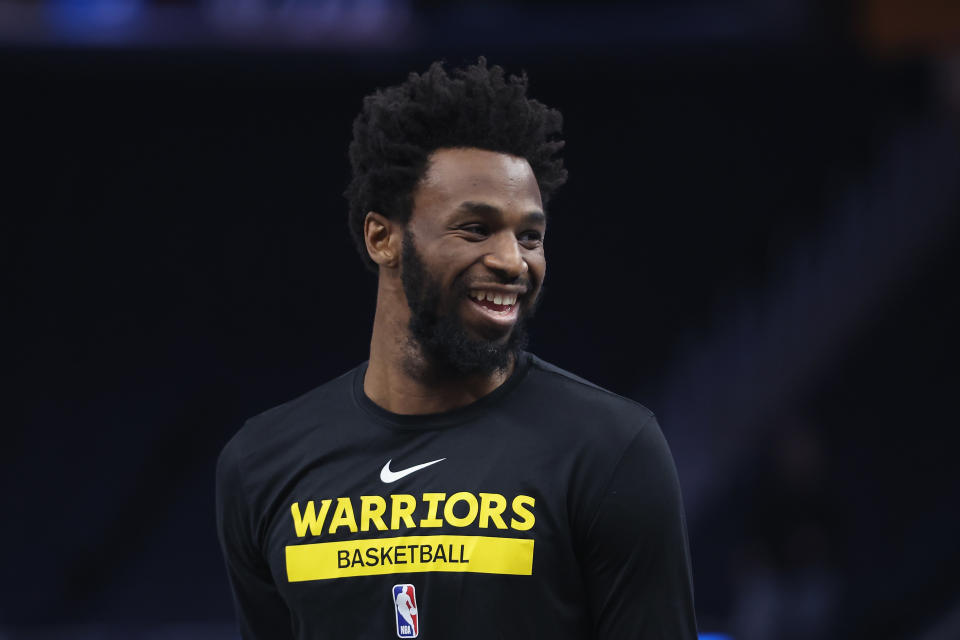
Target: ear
[(382, 238)]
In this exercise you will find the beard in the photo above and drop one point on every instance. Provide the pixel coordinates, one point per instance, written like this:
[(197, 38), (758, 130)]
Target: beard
[(437, 329)]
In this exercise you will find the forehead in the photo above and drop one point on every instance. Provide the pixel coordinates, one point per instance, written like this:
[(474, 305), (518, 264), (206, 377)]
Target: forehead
[(455, 176)]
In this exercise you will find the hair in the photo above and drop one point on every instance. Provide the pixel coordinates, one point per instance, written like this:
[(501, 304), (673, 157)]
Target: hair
[(476, 106)]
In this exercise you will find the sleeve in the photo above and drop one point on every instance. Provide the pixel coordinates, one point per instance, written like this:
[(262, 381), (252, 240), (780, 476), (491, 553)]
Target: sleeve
[(636, 561), (261, 611)]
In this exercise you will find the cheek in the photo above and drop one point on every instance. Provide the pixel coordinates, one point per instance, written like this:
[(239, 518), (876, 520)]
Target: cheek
[(444, 261), (456, 263), (538, 268)]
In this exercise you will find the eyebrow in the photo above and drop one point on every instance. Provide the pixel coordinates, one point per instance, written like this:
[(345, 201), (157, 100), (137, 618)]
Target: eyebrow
[(481, 208)]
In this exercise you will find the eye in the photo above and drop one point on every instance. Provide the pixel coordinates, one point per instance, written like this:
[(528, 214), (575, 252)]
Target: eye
[(477, 230), (531, 238)]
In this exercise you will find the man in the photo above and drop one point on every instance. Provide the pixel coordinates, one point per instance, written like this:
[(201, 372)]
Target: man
[(454, 486)]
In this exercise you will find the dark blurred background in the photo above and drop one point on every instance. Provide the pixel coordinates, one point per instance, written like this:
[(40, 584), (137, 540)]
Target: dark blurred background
[(759, 241)]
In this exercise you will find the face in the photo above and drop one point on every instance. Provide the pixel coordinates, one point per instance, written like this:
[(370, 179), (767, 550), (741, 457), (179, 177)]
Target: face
[(472, 260)]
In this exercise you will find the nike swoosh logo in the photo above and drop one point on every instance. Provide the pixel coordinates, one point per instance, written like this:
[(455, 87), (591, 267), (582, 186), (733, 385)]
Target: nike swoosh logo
[(388, 476)]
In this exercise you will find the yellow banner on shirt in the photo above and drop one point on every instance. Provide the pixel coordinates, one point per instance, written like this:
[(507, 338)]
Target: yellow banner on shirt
[(409, 554)]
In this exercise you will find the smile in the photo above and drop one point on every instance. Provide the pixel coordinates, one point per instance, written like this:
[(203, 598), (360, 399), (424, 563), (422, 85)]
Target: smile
[(497, 306), (498, 299)]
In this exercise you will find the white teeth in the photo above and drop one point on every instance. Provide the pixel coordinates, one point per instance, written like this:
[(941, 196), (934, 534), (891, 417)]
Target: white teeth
[(496, 298)]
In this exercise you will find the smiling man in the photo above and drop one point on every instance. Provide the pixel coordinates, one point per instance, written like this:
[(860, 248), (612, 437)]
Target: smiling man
[(454, 486)]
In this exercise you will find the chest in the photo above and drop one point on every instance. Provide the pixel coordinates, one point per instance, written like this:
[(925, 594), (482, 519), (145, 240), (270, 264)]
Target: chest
[(469, 520)]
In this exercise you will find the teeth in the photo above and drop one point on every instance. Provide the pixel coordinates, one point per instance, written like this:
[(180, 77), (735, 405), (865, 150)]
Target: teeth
[(508, 299)]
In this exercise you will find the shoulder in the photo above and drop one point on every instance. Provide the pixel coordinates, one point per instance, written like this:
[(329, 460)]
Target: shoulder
[(567, 397), (279, 429), (570, 389)]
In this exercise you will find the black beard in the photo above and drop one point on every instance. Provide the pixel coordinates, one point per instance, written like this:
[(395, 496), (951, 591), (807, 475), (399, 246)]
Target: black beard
[(436, 328)]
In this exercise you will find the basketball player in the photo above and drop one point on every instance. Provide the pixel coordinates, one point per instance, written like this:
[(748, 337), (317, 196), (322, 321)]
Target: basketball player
[(500, 495)]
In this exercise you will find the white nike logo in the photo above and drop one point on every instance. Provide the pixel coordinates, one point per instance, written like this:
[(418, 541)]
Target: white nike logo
[(388, 476)]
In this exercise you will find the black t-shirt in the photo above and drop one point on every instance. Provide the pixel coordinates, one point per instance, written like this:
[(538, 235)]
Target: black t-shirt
[(549, 508)]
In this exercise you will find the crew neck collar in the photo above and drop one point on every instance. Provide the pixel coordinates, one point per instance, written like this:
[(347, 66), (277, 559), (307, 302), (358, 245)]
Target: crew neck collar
[(442, 419)]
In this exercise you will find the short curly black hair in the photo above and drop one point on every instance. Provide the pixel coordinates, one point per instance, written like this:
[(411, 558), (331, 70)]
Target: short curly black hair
[(476, 106)]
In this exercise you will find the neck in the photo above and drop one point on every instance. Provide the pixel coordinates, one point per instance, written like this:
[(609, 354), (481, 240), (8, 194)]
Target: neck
[(401, 379)]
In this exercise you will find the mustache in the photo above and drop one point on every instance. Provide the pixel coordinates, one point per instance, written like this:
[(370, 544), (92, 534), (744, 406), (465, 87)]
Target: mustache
[(524, 282)]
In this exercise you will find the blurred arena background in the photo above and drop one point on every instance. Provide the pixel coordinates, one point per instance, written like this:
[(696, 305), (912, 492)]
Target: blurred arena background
[(759, 241)]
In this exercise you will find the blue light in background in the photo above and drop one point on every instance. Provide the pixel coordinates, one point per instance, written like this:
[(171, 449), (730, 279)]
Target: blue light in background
[(715, 636), (94, 20)]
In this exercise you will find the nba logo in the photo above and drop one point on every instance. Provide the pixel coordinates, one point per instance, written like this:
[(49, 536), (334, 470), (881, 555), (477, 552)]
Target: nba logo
[(405, 606)]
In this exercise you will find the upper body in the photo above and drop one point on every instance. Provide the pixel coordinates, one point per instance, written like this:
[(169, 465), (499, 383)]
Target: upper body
[(516, 500), (554, 503)]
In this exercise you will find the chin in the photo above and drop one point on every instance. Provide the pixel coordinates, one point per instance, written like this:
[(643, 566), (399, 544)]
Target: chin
[(493, 338)]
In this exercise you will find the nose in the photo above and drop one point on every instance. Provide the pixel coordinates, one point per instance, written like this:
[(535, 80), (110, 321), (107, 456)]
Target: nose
[(505, 257)]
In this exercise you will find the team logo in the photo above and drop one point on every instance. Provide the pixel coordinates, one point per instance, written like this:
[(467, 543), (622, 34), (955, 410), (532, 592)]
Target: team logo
[(405, 605)]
